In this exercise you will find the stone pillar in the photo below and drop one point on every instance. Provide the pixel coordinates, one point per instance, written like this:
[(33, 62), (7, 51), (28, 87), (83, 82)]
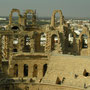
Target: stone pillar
[(88, 46), (30, 70), (61, 19), (32, 45), (78, 47), (40, 71), (60, 48), (53, 20), (21, 70), (48, 42), (37, 42), (10, 54), (10, 19), (22, 21), (0, 52), (34, 19), (20, 43)]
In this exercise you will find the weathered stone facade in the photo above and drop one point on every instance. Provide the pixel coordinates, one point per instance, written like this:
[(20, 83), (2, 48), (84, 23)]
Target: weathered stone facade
[(27, 65)]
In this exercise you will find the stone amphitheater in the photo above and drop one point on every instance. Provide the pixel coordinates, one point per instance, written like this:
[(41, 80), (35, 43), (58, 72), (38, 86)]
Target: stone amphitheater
[(27, 63)]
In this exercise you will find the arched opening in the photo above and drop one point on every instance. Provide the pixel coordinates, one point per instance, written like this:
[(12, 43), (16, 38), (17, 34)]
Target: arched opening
[(42, 42), (70, 39), (15, 50), (58, 81), (15, 41), (15, 17), (57, 19), (84, 41), (55, 22), (35, 70), (29, 19), (16, 70), (54, 42), (26, 44), (44, 69), (25, 70), (15, 28)]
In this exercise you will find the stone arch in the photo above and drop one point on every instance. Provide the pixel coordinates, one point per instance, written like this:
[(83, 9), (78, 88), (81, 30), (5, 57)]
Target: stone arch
[(84, 41), (49, 41), (35, 70), (25, 70), (16, 70), (53, 17), (55, 41), (44, 69), (86, 33), (33, 16), (15, 28), (11, 14)]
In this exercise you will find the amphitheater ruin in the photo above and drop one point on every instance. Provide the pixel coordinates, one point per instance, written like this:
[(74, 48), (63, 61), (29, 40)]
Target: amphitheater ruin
[(27, 64)]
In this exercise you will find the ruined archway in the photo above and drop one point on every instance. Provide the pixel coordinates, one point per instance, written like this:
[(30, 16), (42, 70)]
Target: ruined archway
[(53, 17), (32, 18), (16, 70), (35, 70), (54, 42), (84, 41), (11, 15)]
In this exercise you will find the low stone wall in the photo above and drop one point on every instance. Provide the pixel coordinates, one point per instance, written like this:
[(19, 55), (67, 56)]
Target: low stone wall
[(26, 86)]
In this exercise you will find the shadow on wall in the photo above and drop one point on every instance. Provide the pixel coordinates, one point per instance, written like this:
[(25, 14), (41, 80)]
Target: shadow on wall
[(7, 83)]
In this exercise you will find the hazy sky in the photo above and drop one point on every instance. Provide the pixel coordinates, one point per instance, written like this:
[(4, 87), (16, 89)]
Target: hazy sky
[(74, 8)]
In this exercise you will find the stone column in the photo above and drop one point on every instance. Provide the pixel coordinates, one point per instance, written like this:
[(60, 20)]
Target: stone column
[(30, 70), (53, 20), (0, 52), (32, 45), (88, 46), (40, 72), (21, 70), (78, 47), (10, 54), (48, 42), (20, 43), (10, 19)]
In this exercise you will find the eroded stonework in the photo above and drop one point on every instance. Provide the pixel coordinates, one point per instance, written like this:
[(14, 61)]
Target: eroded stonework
[(28, 64)]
